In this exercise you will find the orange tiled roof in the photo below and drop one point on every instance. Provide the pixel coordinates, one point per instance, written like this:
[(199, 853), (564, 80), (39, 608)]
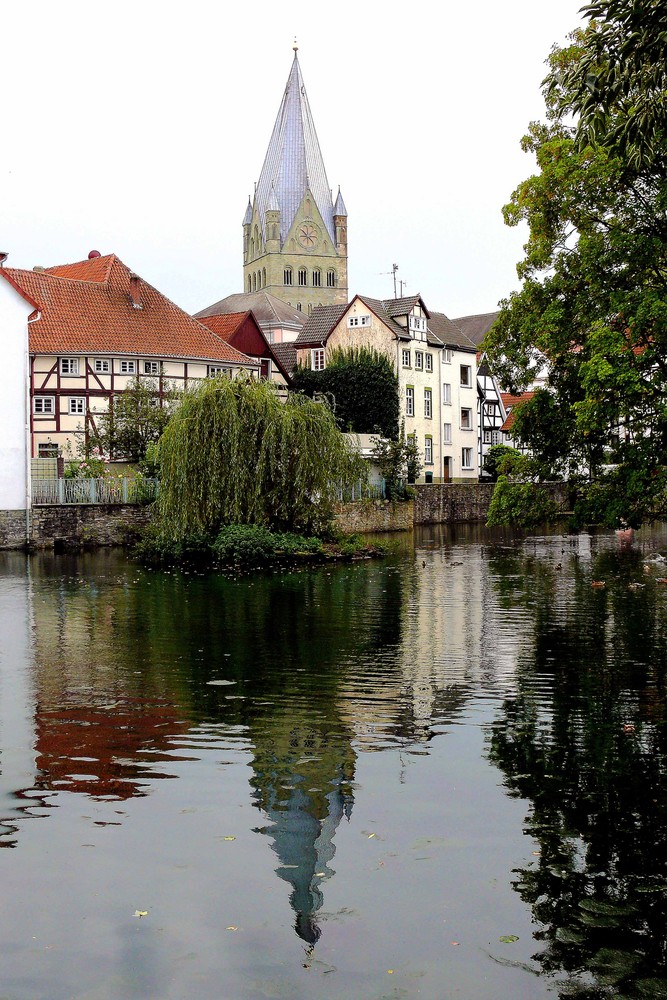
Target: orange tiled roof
[(86, 308), (511, 401), (224, 325)]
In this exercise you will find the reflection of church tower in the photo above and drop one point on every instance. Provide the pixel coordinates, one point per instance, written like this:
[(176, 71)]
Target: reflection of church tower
[(294, 236), (303, 774)]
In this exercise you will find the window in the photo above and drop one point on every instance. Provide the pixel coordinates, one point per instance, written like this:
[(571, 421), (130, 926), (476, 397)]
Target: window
[(128, 367), (317, 279), (215, 370), (331, 279), (466, 458), (428, 362), (287, 276), (47, 449), (419, 360), (447, 356), (69, 366), (409, 401), (102, 366), (447, 434), (466, 375), (303, 276), (466, 419), (359, 321), (405, 358), (446, 393), (77, 404), (44, 404), (417, 323), (428, 403), (151, 367), (428, 451), (317, 361)]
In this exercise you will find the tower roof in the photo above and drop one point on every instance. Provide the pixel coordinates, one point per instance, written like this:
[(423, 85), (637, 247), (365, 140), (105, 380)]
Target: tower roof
[(293, 162)]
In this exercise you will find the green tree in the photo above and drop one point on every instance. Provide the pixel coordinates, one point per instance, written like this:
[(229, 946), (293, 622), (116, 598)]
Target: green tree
[(495, 459), (363, 386), (594, 297), (234, 453), (399, 462), (136, 419)]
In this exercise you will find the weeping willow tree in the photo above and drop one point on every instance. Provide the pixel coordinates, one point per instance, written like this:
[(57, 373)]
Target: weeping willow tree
[(235, 453)]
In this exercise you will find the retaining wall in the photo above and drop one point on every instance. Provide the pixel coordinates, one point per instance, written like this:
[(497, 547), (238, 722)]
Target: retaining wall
[(451, 503), (375, 515), (72, 525)]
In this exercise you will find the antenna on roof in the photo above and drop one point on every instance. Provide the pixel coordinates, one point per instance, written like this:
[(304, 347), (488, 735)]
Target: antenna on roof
[(394, 269)]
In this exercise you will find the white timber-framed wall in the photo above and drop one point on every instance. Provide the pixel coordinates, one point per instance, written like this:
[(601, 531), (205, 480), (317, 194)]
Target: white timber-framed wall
[(15, 311)]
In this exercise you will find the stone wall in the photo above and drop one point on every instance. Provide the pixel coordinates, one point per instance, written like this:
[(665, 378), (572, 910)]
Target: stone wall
[(450, 503), (375, 515), (73, 525), (12, 529)]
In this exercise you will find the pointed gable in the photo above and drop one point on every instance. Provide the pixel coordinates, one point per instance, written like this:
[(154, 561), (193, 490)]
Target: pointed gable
[(293, 163)]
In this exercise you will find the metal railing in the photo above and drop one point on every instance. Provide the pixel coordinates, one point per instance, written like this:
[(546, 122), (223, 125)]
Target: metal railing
[(361, 491), (118, 490)]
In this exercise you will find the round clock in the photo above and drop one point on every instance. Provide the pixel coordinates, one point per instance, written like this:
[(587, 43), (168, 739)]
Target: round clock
[(308, 235)]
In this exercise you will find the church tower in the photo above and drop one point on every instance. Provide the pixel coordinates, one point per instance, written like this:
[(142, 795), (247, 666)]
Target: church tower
[(294, 235)]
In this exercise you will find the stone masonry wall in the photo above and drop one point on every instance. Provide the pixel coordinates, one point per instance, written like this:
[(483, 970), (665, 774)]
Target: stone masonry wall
[(448, 503), (12, 529), (73, 525), (375, 515)]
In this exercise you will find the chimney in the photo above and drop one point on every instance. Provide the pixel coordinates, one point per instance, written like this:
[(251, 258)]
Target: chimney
[(3, 258), (135, 292)]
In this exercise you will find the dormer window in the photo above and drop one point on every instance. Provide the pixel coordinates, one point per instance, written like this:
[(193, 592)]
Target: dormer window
[(417, 323)]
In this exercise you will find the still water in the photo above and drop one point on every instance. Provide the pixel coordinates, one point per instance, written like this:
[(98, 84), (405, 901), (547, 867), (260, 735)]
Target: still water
[(440, 775)]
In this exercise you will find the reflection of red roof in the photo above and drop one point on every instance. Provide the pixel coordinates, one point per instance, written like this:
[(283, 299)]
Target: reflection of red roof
[(511, 402), (87, 308)]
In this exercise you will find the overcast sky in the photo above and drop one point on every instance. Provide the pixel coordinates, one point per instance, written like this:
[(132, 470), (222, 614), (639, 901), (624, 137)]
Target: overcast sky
[(139, 128)]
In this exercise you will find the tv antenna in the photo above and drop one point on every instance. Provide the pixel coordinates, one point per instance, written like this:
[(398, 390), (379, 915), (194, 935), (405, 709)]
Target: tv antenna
[(394, 269)]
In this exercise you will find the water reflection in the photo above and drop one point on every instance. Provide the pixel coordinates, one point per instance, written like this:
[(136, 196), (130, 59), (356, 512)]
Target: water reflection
[(583, 739)]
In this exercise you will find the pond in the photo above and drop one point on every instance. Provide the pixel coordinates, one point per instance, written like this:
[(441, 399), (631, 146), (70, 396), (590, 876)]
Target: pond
[(438, 775)]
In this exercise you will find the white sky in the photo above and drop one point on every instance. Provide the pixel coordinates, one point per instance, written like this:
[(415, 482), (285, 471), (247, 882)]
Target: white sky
[(138, 128)]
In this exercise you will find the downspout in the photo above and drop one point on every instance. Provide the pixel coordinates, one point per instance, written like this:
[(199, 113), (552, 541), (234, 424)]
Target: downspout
[(28, 433)]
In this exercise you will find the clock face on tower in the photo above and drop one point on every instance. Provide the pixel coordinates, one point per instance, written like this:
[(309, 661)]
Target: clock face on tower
[(308, 235)]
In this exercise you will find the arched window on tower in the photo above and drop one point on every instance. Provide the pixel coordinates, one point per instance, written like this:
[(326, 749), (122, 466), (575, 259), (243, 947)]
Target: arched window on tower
[(298, 306), (303, 276), (263, 277), (254, 281), (317, 278), (287, 276), (331, 278), (249, 283)]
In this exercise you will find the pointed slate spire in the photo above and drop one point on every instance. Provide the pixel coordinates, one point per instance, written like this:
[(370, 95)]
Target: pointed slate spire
[(272, 204), (339, 207), (293, 162), (247, 218)]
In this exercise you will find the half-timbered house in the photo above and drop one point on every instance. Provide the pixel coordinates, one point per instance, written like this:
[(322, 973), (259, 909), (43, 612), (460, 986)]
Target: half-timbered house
[(95, 326)]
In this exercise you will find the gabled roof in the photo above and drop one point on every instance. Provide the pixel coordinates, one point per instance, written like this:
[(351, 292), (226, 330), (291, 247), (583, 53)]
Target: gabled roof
[(293, 162), (476, 327), (286, 355), (404, 305), (320, 323), (87, 308), (512, 402), (243, 330), (447, 331), (271, 313)]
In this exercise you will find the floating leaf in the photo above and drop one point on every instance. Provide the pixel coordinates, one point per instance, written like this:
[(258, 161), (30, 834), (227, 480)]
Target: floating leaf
[(232, 927), (229, 838), (508, 938), (141, 913)]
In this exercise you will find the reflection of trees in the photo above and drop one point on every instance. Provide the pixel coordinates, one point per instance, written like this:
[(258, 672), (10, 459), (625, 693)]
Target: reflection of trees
[(584, 739)]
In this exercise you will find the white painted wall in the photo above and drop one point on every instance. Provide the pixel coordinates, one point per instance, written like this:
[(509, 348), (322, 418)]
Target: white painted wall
[(14, 312)]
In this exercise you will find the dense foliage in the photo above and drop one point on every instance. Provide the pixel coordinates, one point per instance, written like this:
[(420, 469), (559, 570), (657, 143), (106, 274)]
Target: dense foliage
[(234, 453), (363, 387), (594, 294), (399, 463)]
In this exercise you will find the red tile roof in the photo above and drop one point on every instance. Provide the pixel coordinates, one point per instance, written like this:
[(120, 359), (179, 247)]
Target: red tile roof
[(512, 402), (86, 308)]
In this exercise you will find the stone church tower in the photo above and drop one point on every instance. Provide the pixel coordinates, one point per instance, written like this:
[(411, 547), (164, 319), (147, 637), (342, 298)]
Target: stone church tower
[(294, 236)]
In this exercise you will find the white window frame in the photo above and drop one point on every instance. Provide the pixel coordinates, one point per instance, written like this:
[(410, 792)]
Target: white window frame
[(447, 356), (447, 393), (419, 361), (446, 433), (76, 405), (428, 403), (466, 379), (428, 362), (405, 357), (318, 359), (466, 421), (214, 370), (364, 320), (69, 366), (467, 458), (127, 367), (151, 367), (44, 405), (409, 400), (428, 450), (102, 366)]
